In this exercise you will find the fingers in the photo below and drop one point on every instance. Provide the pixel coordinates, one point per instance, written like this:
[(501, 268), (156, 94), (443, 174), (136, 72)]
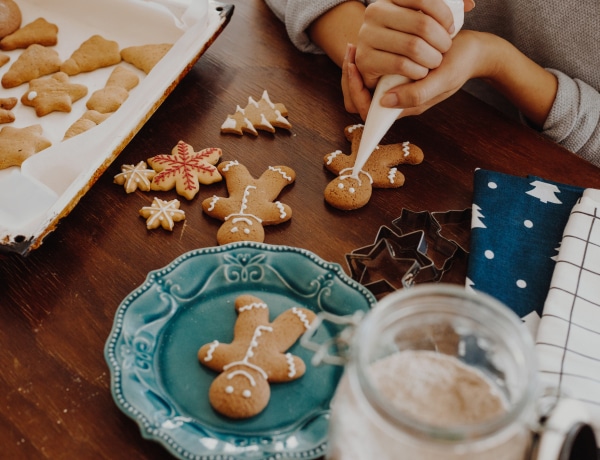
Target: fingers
[(402, 40), (357, 97)]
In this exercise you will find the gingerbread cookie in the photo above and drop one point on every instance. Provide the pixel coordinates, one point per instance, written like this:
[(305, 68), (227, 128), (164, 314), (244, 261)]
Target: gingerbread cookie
[(250, 204), (18, 144), (347, 192), (185, 169), (10, 17), (6, 106), (39, 31), (115, 91), (263, 115), (88, 120), (134, 177), (94, 53), (53, 94), (162, 214), (145, 57), (256, 357), (35, 62)]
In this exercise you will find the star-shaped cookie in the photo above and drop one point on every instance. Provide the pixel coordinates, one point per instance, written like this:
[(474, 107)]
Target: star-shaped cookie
[(134, 177), (162, 213), (185, 169), (18, 144), (53, 94)]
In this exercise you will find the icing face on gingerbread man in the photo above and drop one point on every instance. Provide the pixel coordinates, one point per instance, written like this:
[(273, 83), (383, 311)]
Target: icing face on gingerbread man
[(255, 358), (347, 192), (250, 204)]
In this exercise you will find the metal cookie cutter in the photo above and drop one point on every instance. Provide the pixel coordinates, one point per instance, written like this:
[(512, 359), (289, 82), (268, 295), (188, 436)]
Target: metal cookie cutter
[(417, 252)]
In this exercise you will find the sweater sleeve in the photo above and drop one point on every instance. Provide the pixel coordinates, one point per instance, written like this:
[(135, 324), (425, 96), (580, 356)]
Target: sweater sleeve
[(298, 15), (574, 120)]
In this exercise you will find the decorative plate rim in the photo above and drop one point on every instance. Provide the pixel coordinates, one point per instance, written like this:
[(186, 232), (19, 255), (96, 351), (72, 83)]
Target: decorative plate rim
[(261, 447)]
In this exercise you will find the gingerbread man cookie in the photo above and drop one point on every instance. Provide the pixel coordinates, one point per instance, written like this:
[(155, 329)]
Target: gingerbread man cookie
[(347, 192), (250, 204), (185, 169), (255, 358)]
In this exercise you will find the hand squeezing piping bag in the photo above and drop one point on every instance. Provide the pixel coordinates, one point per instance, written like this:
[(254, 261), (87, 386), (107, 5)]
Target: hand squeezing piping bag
[(380, 119)]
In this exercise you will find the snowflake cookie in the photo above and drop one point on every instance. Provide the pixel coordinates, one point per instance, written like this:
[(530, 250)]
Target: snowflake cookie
[(134, 177), (162, 213), (185, 169)]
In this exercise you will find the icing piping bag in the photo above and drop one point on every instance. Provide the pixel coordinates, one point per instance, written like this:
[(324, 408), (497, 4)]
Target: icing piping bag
[(380, 119)]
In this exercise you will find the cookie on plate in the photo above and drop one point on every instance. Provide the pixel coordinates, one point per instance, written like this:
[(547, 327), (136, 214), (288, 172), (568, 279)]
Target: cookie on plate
[(256, 357), (145, 57), (53, 94)]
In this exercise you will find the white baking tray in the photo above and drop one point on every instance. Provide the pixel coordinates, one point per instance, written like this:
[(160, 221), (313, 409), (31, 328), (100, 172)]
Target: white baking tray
[(37, 195)]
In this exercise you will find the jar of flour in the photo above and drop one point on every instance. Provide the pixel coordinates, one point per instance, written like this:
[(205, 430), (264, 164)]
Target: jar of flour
[(437, 372)]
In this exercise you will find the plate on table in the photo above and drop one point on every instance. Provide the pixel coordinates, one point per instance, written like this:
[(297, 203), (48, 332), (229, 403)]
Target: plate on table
[(44, 189), (157, 380)]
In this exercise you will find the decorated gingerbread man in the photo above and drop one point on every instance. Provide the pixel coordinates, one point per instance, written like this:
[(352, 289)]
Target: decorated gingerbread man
[(250, 204), (348, 192), (255, 358)]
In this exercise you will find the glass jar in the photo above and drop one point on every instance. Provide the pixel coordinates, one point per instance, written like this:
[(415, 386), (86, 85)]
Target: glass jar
[(436, 371)]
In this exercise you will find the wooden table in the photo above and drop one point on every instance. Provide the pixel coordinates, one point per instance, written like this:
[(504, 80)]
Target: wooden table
[(57, 305)]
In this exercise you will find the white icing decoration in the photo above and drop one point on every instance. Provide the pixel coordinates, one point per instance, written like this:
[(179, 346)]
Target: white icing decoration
[(352, 190), (230, 164), (234, 229), (252, 101), (392, 175), (213, 202), (406, 148), (291, 366), (280, 171), (251, 347), (209, 354), (353, 127), (246, 393), (243, 373), (300, 314), (253, 305), (332, 156), (229, 123), (341, 186), (228, 389), (247, 231), (31, 95), (266, 98), (281, 208), (265, 122), (162, 210)]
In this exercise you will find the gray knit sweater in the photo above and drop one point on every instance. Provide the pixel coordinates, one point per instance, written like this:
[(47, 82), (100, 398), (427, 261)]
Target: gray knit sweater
[(562, 36)]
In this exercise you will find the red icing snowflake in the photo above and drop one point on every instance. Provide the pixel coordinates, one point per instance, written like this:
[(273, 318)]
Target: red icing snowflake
[(185, 169)]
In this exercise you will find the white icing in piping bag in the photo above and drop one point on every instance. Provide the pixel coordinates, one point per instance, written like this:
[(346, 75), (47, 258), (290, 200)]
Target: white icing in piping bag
[(380, 119)]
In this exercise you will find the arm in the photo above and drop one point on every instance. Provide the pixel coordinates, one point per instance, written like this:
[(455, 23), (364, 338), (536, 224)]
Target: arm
[(300, 15), (530, 87), (336, 28)]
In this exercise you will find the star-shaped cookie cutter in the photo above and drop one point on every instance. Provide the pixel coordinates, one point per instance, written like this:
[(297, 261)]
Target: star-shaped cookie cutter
[(416, 252)]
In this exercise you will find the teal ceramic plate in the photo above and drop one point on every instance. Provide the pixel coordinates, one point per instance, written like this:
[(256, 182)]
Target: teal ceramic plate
[(157, 380)]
